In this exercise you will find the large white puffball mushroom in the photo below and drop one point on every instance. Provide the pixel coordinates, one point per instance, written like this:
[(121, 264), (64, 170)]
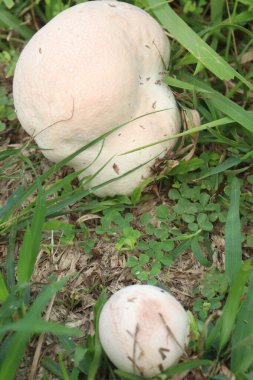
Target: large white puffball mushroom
[(94, 67), (143, 329)]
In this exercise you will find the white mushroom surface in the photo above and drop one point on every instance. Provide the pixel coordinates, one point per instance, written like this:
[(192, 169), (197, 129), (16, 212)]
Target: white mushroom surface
[(143, 329), (93, 67)]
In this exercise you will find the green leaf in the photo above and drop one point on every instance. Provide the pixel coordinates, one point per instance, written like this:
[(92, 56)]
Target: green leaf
[(188, 218), (233, 238), (162, 212), (227, 164), (242, 338), (10, 260), (31, 243), (182, 367), (9, 3), (184, 206), (167, 245), (198, 252), (225, 324), (36, 326), (127, 376), (167, 260), (143, 259), (181, 248), (233, 303), (97, 357), (174, 194), (193, 227), (204, 199), (52, 367), (63, 368), (155, 269), (12, 201), (136, 194), (3, 289), (184, 167)]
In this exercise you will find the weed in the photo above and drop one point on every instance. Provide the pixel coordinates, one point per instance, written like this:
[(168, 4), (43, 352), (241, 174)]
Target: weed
[(6, 109)]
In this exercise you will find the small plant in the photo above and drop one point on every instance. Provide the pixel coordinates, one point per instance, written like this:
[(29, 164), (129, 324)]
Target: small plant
[(118, 226), (213, 288), (6, 109), (194, 207)]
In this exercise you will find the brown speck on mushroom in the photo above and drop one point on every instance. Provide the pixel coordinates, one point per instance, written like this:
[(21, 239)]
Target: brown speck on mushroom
[(160, 366), (141, 126), (115, 168), (158, 82), (147, 46), (132, 299), (119, 134), (162, 351), (40, 50), (154, 105), (147, 79)]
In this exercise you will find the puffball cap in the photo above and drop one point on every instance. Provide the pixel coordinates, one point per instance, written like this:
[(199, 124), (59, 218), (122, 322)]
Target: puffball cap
[(143, 329), (93, 67)]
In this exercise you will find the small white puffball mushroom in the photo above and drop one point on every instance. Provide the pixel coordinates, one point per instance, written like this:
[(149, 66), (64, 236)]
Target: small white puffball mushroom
[(143, 329), (93, 67)]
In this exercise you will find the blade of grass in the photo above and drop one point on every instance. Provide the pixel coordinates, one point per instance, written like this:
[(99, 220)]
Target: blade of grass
[(197, 251), (12, 201), (182, 367), (233, 303), (3, 289), (193, 43), (224, 105), (13, 23), (36, 326), (52, 367), (242, 339), (18, 341), (225, 324), (63, 368), (227, 164), (10, 260), (212, 124), (177, 368), (96, 360), (31, 242), (233, 238)]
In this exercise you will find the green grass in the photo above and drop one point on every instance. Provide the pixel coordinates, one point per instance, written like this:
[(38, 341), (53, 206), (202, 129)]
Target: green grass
[(191, 201)]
